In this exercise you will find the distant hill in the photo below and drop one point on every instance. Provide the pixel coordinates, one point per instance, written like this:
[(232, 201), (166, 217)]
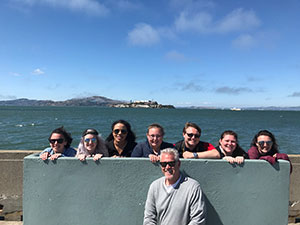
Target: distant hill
[(89, 101)]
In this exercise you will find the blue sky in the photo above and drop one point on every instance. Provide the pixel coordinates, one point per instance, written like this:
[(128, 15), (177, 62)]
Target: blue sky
[(183, 52)]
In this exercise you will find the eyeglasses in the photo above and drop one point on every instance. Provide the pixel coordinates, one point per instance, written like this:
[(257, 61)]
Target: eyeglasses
[(59, 141), (190, 135), (152, 136), (117, 131), (93, 140), (171, 164), (262, 143)]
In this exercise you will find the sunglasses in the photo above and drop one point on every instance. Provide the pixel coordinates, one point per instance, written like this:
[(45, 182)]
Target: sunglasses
[(93, 140), (262, 143), (190, 135), (59, 141), (117, 131), (171, 164)]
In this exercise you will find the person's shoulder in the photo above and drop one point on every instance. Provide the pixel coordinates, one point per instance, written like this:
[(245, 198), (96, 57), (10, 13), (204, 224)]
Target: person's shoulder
[(167, 145), (70, 152), (178, 144), (109, 144), (132, 144), (252, 149), (156, 183), (142, 144), (220, 152), (48, 149), (188, 181), (206, 144)]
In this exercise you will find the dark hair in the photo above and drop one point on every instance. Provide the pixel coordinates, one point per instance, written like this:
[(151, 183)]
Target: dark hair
[(67, 136), (274, 148), (90, 131), (190, 124), (156, 125), (229, 132), (130, 135)]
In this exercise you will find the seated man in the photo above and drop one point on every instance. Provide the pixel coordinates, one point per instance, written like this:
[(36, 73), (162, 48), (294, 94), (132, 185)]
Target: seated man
[(192, 147), (174, 199), (151, 148)]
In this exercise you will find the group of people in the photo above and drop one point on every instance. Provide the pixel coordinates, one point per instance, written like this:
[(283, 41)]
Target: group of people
[(173, 198), (121, 143)]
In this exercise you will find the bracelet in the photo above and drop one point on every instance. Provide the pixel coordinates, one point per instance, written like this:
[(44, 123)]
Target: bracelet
[(195, 155)]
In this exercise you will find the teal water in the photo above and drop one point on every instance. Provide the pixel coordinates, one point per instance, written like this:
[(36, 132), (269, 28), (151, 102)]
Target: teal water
[(28, 128)]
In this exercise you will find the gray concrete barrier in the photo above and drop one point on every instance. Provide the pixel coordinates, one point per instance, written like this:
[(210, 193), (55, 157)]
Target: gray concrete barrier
[(11, 185), (294, 209), (114, 191), (11, 172)]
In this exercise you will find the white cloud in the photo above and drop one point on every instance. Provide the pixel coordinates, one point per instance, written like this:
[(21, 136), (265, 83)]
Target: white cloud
[(15, 74), (126, 5), (244, 41), (194, 5), (38, 72), (238, 19), (232, 91), (200, 22), (143, 35), (295, 94), (190, 86), (175, 56), (87, 6)]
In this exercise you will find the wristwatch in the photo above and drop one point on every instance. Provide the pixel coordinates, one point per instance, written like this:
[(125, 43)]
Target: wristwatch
[(195, 155)]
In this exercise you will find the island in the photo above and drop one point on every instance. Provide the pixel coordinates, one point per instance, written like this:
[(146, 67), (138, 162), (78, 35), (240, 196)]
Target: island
[(143, 104)]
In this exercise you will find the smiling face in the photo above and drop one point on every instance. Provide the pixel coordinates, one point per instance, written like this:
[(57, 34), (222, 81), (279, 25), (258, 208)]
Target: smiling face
[(57, 142), (90, 142), (171, 173), (264, 144), (155, 137), (119, 132), (191, 137), (228, 144)]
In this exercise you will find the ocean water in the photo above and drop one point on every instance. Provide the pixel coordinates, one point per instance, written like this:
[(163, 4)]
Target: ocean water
[(28, 128)]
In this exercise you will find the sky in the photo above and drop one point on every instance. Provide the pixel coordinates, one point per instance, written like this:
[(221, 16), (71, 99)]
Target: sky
[(219, 53)]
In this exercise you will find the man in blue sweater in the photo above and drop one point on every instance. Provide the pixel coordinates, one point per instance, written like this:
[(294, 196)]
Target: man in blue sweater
[(174, 199)]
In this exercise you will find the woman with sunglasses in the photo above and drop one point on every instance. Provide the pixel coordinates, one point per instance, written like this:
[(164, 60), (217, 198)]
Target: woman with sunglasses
[(264, 146), (91, 145), (191, 146), (121, 140), (60, 145), (229, 148)]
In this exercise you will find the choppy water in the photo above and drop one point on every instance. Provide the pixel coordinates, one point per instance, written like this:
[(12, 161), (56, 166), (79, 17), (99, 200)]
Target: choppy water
[(25, 128)]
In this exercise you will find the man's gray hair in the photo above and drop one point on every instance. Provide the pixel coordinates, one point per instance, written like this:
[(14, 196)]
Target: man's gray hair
[(170, 151)]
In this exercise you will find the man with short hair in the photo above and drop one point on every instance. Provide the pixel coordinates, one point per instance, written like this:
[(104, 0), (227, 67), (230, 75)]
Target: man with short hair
[(174, 199), (151, 148), (191, 146)]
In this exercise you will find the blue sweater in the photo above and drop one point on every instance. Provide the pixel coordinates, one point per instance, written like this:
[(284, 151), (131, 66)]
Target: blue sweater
[(144, 149)]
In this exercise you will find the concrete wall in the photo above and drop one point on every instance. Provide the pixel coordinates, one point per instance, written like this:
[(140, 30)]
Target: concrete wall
[(114, 191), (294, 209), (11, 185)]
